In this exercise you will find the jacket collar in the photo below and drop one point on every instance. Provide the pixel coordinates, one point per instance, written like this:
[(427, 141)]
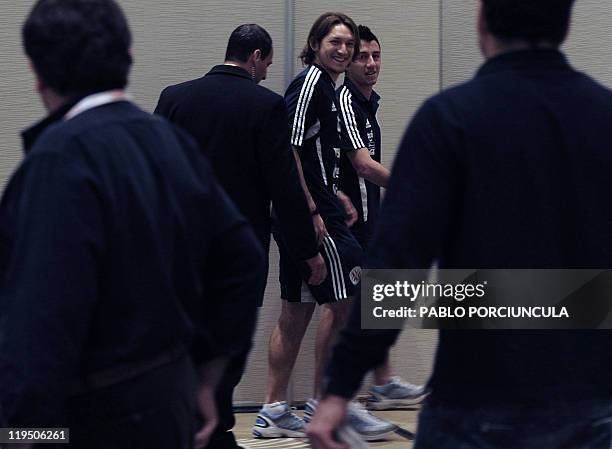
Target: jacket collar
[(30, 135), (525, 59), (326, 75), (374, 98), (224, 69)]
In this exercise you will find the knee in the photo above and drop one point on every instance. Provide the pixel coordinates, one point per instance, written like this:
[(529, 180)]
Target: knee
[(338, 313), (293, 323)]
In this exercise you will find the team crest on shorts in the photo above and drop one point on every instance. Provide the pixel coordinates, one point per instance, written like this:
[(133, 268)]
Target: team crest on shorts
[(355, 275)]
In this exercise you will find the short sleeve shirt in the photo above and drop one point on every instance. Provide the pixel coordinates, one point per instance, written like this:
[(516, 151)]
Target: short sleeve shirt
[(315, 132), (359, 129)]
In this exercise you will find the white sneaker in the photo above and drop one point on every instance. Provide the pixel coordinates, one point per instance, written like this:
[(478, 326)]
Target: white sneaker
[(349, 436), (277, 420), (368, 426), (395, 394)]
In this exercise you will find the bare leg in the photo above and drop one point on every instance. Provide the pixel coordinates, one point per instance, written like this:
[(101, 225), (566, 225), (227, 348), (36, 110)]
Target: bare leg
[(382, 373), (334, 318), (284, 347)]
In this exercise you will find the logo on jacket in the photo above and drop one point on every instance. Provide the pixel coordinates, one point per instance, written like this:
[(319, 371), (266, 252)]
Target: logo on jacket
[(355, 275)]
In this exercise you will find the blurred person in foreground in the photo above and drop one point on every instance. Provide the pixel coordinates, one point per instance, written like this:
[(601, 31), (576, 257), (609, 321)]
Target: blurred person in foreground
[(126, 274)]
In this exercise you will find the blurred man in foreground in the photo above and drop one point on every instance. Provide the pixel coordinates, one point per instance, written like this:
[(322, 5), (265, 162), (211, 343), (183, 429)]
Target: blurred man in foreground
[(123, 264)]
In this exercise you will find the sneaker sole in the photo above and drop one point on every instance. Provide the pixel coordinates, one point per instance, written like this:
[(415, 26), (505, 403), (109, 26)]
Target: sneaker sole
[(378, 436), (259, 432), (269, 430), (390, 404)]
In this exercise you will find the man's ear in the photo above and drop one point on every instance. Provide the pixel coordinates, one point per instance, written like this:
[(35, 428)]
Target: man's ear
[(257, 55), (314, 45)]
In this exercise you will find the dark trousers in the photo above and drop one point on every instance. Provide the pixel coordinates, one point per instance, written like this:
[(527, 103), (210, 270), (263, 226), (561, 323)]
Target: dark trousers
[(569, 425), (223, 437), (153, 410)]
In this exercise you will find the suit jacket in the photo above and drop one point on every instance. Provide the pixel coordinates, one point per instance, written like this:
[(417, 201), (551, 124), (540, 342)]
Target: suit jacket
[(242, 128)]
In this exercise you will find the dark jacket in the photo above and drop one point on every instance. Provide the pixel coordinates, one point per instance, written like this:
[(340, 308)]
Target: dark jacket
[(242, 128), (509, 170), (116, 244)]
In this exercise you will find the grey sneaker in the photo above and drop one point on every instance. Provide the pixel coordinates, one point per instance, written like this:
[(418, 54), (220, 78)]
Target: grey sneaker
[(277, 420), (348, 436), (368, 426), (395, 394)]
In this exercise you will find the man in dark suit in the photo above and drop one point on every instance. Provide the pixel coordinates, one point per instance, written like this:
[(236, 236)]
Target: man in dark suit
[(242, 128), (508, 170)]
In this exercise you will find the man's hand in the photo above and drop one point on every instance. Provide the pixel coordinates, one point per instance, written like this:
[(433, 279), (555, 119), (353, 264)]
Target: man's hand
[(349, 209), (209, 374), (319, 227), (318, 270), (208, 409), (330, 415)]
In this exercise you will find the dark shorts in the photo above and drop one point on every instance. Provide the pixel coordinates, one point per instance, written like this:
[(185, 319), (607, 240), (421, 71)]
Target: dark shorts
[(342, 256), (362, 233)]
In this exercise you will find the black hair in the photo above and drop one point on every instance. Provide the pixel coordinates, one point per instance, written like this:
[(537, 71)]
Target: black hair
[(533, 21), (245, 39), (321, 28), (78, 47), (365, 34)]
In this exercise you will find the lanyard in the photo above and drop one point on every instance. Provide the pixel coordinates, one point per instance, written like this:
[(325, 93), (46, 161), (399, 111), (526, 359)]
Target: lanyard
[(95, 100)]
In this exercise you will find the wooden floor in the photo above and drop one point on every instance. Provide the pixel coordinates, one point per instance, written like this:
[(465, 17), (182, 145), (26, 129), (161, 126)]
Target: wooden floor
[(244, 422)]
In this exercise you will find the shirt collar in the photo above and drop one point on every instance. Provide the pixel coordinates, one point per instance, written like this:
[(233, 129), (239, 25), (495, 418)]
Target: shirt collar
[(224, 69), (95, 100), (325, 74), (69, 110), (374, 98), (521, 59)]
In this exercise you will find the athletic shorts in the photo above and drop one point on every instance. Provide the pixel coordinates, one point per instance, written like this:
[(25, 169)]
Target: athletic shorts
[(342, 256)]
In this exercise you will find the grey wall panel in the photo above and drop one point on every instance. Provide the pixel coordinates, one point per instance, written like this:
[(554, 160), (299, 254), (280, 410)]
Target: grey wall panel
[(460, 54), (20, 105), (178, 40), (588, 47), (252, 388)]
